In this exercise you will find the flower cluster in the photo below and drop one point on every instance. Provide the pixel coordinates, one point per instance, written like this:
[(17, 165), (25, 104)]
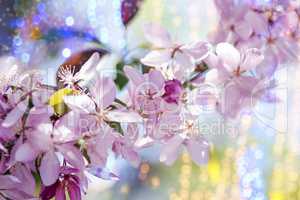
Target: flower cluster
[(58, 135), (271, 26)]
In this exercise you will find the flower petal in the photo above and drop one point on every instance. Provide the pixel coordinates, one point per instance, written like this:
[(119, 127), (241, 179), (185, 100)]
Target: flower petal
[(199, 150), (158, 58), (25, 153), (291, 20), (98, 147), (198, 50), (212, 76), (39, 115), (80, 103), (27, 180), (244, 30), (88, 68), (71, 126), (48, 192), (72, 155), (8, 182), (157, 79), (6, 133), (257, 21), (40, 97), (132, 156), (144, 142), (40, 138), (60, 192), (252, 58), (182, 60), (124, 116), (231, 101), (104, 92), (74, 191), (269, 65), (49, 168), (102, 173), (16, 114), (16, 194), (133, 75), (229, 55), (170, 150)]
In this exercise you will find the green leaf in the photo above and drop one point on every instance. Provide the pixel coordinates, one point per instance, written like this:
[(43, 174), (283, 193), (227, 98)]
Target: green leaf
[(121, 80)]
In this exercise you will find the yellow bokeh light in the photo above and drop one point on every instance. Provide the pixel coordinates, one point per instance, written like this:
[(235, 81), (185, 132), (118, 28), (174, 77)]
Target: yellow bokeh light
[(214, 171), (124, 189), (155, 182), (145, 168), (277, 195)]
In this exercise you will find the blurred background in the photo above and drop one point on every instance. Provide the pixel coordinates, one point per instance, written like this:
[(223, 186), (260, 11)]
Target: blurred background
[(255, 158)]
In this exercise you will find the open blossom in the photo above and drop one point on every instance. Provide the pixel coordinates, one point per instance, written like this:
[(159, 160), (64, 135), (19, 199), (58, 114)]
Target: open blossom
[(172, 59), (150, 92), (234, 62), (145, 91), (94, 109), (184, 134), (232, 71)]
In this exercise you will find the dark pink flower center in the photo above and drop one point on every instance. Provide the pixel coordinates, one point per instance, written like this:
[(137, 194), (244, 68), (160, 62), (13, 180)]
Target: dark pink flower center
[(66, 181), (173, 90)]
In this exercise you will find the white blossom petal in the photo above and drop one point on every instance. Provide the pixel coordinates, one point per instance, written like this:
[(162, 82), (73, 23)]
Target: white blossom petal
[(229, 55)]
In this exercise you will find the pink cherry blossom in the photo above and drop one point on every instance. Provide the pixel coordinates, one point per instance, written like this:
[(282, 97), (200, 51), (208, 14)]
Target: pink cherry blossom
[(185, 135), (145, 91), (232, 71), (179, 58)]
